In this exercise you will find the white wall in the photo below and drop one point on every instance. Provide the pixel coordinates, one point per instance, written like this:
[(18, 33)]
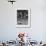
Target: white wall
[(8, 28)]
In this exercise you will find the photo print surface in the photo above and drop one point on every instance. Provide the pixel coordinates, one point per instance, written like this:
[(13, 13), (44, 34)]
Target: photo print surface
[(23, 17)]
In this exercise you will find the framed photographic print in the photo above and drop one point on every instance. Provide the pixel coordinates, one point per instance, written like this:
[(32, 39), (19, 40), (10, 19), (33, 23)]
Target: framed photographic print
[(23, 17)]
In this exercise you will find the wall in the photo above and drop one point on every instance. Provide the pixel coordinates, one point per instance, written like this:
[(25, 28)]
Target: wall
[(8, 28)]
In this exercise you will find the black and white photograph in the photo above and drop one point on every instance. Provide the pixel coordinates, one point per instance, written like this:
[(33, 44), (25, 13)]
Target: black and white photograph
[(23, 17)]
